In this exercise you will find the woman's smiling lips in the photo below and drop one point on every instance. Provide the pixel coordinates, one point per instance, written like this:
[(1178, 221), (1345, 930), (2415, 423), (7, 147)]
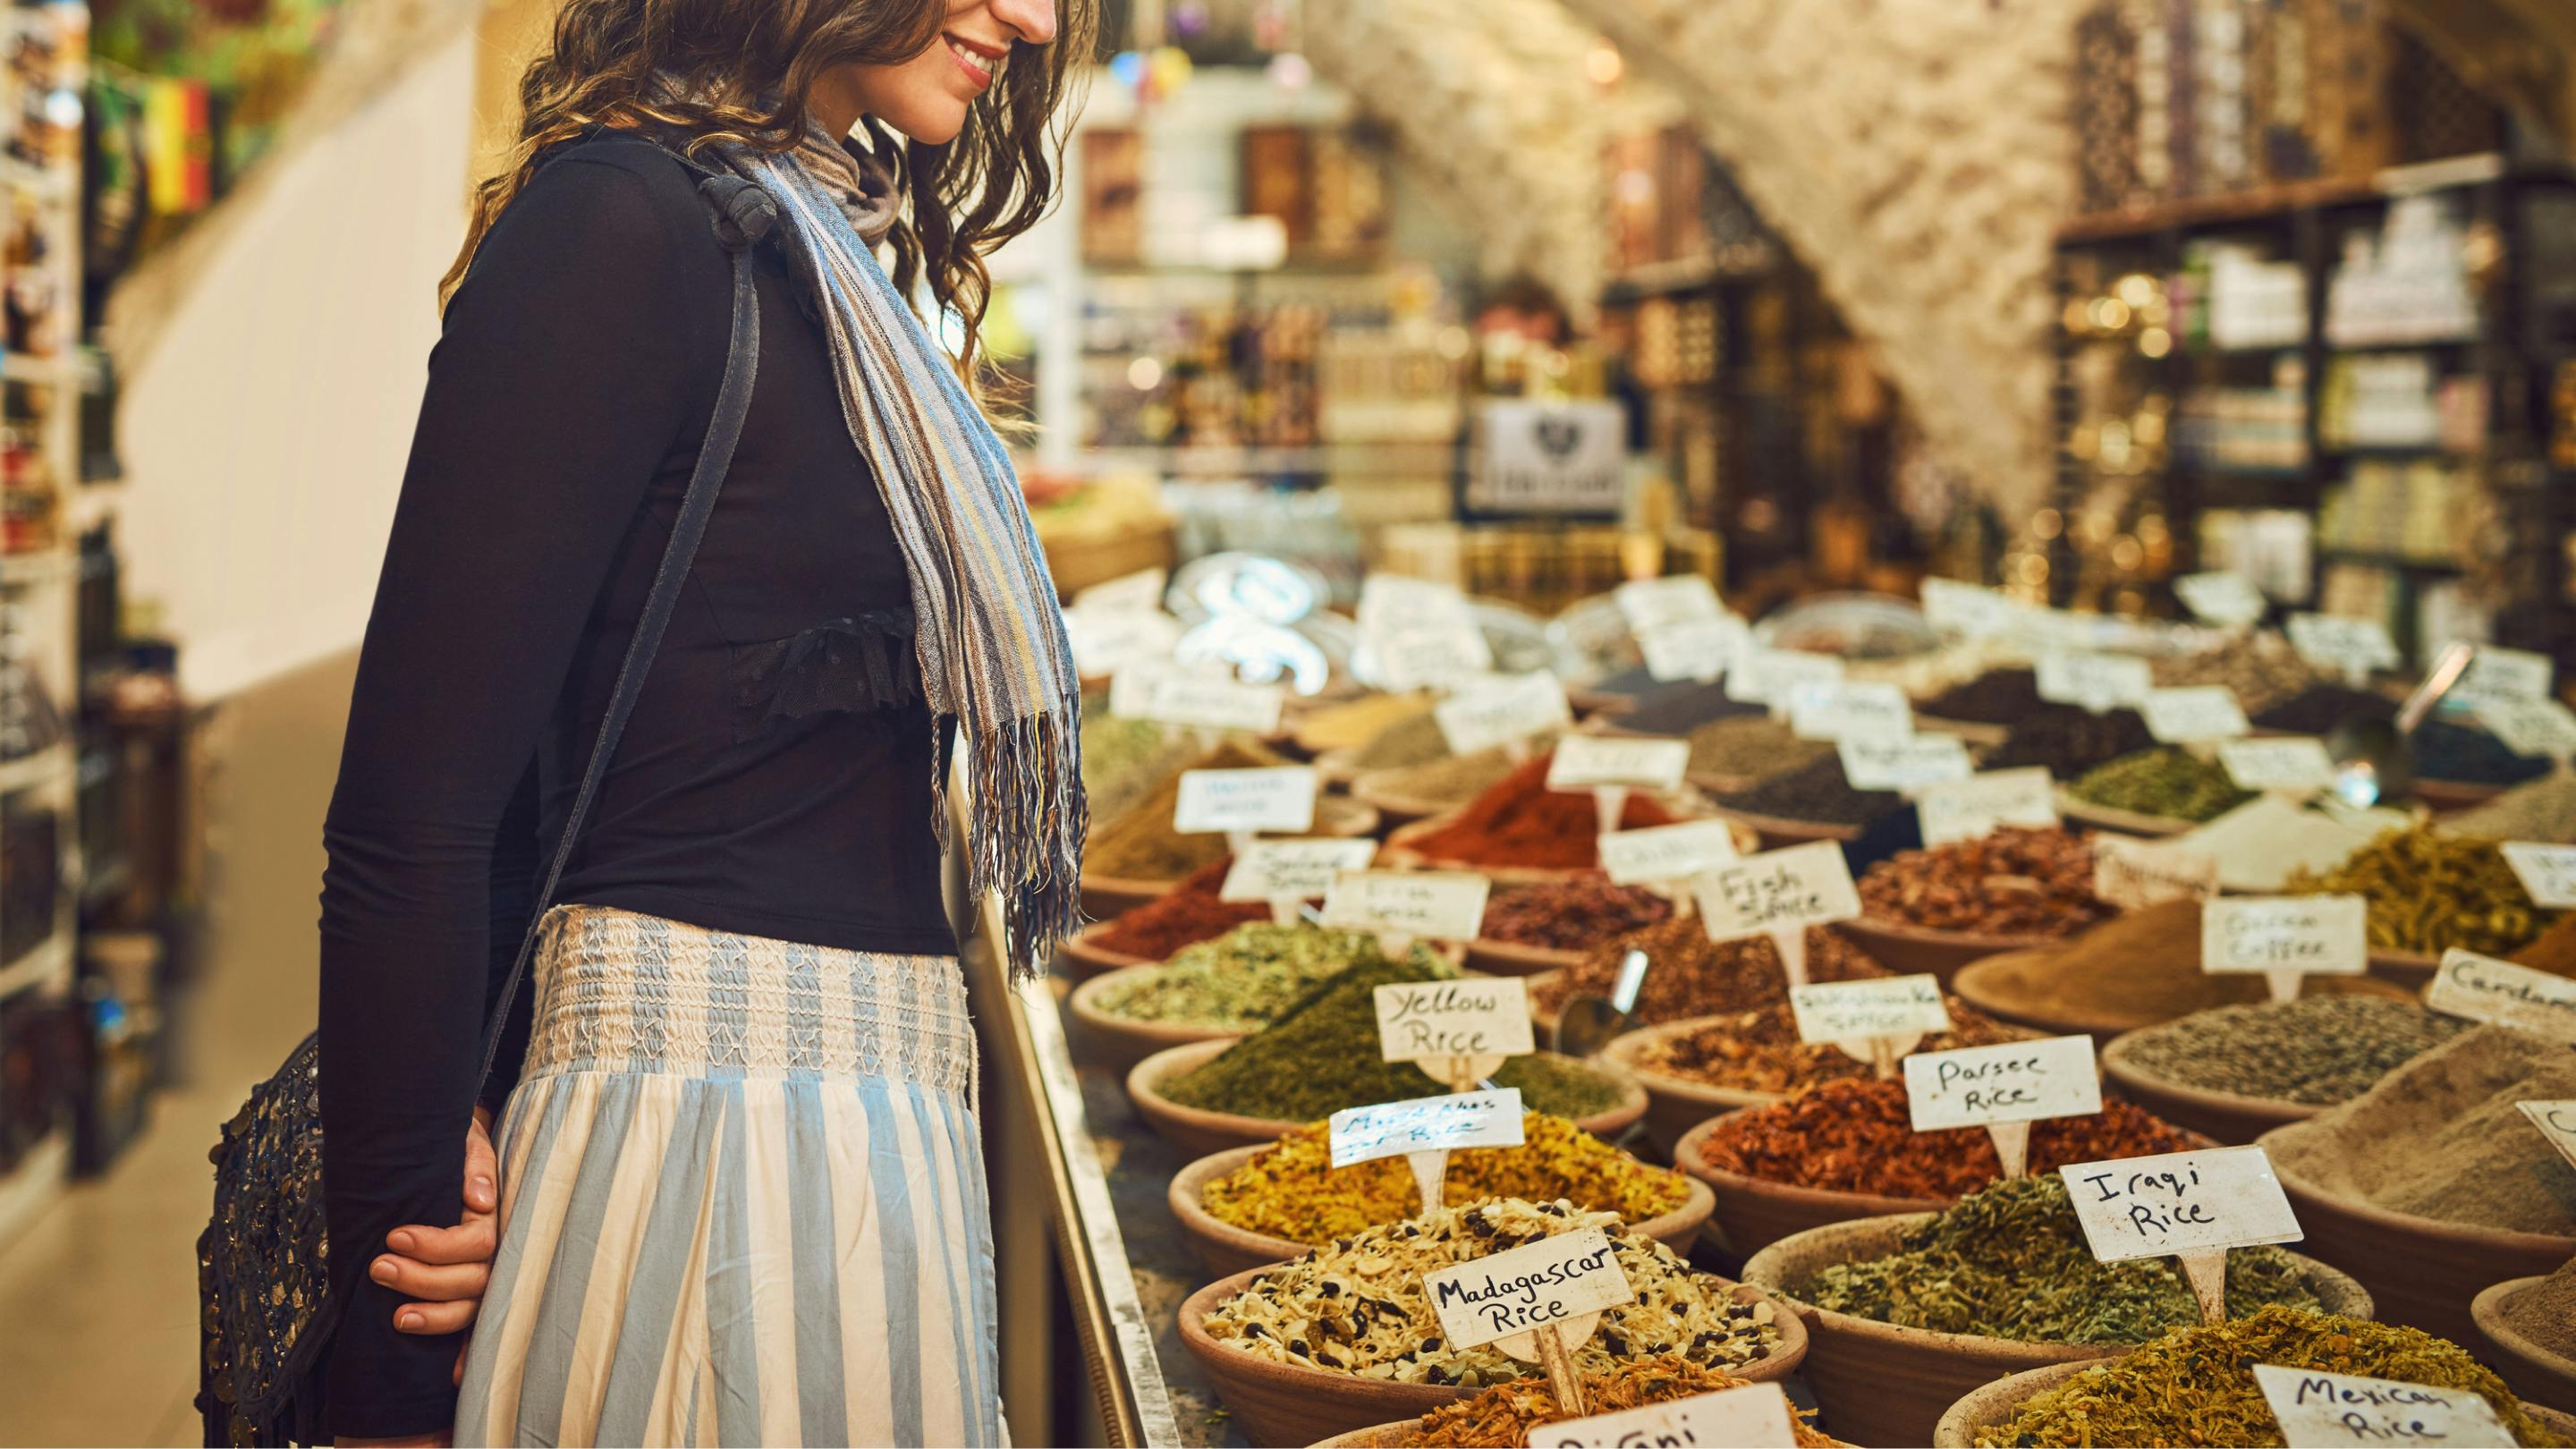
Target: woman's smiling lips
[(979, 61)]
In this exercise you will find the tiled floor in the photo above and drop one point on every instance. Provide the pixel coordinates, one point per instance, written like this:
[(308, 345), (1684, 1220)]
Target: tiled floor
[(98, 1295)]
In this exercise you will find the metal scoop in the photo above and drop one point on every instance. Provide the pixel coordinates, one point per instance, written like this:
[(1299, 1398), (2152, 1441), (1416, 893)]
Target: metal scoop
[(1588, 1022), (2374, 759)]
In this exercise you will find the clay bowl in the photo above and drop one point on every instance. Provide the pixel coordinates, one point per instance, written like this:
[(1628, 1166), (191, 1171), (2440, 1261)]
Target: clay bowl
[(1105, 896), (2531, 1370), (1511, 958), (2411, 969), (1225, 1248), (1085, 959), (1771, 832), (1968, 730), (1877, 1383), (1401, 853), (2422, 1271), (2118, 821), (1284, 1404), (1675, 1105), (1991, 1405), (2226, 1117), (1752, 1214), (1104, 1039), (1200, 1132), (1906, 949)]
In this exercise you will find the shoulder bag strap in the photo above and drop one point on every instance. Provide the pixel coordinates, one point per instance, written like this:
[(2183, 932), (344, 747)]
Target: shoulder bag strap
[(742, 213)]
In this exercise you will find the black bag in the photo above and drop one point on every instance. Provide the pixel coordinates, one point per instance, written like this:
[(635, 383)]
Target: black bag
[(266, 1311)]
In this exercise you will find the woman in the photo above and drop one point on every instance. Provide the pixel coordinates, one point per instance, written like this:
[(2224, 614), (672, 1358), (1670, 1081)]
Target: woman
[(739, 1188)]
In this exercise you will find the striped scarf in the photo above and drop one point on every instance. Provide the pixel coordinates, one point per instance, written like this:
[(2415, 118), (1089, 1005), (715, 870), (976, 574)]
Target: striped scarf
[(989, 636)]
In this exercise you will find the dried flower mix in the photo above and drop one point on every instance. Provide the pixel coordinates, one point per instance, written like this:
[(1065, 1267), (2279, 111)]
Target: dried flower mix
[(2133, 970), (2196, 1386), (2317, 1050), (1855, 1136), (1691, 975), (1292, 1190), (1518, 821), (1503, 1416), (1122, 759), (2430, 890), (1571, 915), (1242, 980), (1187, 912), (2166, 781), (2012, 1262), (1357, 1305), (2014, 882), (1759, 1050)]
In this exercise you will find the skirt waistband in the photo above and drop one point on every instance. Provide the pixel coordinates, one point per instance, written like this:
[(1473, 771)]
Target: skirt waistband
[(623, 992)]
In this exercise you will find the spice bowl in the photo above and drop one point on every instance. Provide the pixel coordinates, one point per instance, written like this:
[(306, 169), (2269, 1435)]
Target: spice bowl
[(1878, 1383), (1906, 949), (1225, 1248), (1103, 1038), (1085, 958), (2229, 1118), (2116, 820), (1751, 1214), (1675, 1105), (1511, 958), (1990, 1406), (1290, 1404), (1106, 896), (1402, 853), (2533, 1371), (1771, 832), (2413, 970)]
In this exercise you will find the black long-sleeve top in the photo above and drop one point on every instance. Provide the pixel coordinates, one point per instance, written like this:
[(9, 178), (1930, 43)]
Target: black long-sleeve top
[(775, 779)]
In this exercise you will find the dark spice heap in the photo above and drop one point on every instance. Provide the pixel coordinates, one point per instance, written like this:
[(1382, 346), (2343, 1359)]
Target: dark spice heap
[(1243, 979), (2440, 1137), (2011, 1262), (2465, 754), (2133, 970), (2430, 890), (1759, 1050), (1189, 912), (2196, 1386), (1321, 1055), (2262, 670), (1139, 842), (1681, 708), (2066, 741), (1998, 696), (2167, 781), (2543, 810), (2319, 1050), (1692, 975), (1814, 791), (1503, 1416), (1356, 1305), (1855, 1136), (2545, 1312), (1292, 1190), (2319, 708), (1518, 821), (2014, 882), (1571, 915), (1755, 748)]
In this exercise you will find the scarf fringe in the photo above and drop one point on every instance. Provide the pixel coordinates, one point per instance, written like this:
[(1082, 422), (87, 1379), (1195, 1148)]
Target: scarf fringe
[(1025, 839)]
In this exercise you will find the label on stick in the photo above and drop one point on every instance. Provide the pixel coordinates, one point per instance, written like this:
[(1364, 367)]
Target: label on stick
[(2022, 1081), (1479, 1016), (1778, 891), (2482, 988), (2292, 763), (1275, 870), (2315, 935), (2557, 1122), (1280, 798), (1534, 1286), (2341, 642), (2197, 712), (1667, 852), (2135, 874), (1583, 761), (1840, 1011), (1911, 763), (2180, 1202), (1699, 649), (1842, 710), (2547, 872), (2098, 682), (1976, 806), (1755, 1416), (2317, 1410), (1525, 705), (1444, 905), (1427, 1124)]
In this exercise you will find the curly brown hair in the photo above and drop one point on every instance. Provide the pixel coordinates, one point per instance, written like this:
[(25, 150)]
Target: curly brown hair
[(963, 198)]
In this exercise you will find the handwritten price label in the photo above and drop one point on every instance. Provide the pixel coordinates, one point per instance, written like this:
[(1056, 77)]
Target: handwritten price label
[(1274, 870), (2135, 874), (2022, 1081), (1495, 714), (2296, 764), (1911, 763), (1267, 799), (2547, 872), (1549, 1284), (2351, 646), (1828, 1012), (1426, 1124), (1765, 676), (2180, 1202), (2098, 682), (1667, 852), (1700, 649), (2542, 727), (1842, 710), (1755, 1416), (2228, 600), (2482, 988), (1978, 805), (2199, 712), (1651, 604), (1479, 1017), (2557, 1122), (1966, 609), (1778, 891), (2317, 1409), (1443, 905), (2316, 935), (1584, 761)]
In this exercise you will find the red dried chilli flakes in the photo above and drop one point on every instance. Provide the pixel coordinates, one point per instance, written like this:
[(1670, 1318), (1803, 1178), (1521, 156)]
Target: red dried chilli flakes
[(1186, 915)]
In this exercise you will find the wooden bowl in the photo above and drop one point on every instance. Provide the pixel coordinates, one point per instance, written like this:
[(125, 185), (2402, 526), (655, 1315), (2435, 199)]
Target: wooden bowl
[(1511, 958), (1402, 853), (1877, 1383), (1990, 1405), (1199, 1132), (1106, 896), (1906, 949), (1771, 832), (1085, 958), (1967, 730), (2532, 1371), (1225, 1248), (2226, 1117), (1287, 1404), (2123, 822), (2422, 1271), (2411, 969), (1104, 1039), (1675, 1105)]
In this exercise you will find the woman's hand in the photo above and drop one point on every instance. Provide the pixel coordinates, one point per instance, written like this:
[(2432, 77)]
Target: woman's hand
[(446, 1269)]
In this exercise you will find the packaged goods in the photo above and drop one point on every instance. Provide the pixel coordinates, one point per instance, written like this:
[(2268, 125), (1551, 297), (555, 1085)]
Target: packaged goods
[(1243, 979), (1518, 821), (1292, 1190), (2131, 971), (1998, 696), (2134, 1399), (1755, 748), (1759, 1050), (2013, 882), (1189, 912), (2258, 845), (2318, 1050), (2066, 741), (2543, 810), (2261, 670), (1357, 1305), (1691, 975), (2011, 1262), (2440, 1137), (1346, 726), (1855, 1136), (2545, 1312), (1139, 843), (1814, 791), (1571, 915), (2430, 890), (2166, 781), (1503, 1416)]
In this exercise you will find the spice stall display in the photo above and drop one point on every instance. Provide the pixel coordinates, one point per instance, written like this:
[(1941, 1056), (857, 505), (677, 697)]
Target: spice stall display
[(2429, 890), (1812, 802), (1940, 908), (1239, 982), (1503, 1416), (1690, 975), (2168, 787), (1519, 824), (2445, 751), (2260, 669), (1134, 858), (2236, 1072), (2133, 1398), (1544, 927)]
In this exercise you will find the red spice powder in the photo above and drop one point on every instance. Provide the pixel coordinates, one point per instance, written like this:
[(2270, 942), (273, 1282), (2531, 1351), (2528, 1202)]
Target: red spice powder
[(1187, 914), (1854, 1136), (1519, 821)]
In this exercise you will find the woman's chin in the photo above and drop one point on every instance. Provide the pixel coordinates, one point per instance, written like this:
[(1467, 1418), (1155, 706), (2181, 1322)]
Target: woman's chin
[(932, 123)]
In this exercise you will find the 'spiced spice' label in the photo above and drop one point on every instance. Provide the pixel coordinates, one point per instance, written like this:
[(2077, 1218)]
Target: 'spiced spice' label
[(2179, 1202), (1479, 1016), (1778, 891), (1840, 709), (2135, 874), (1276, 870), (1700, 649), (2318, 1410), (1840, 1011), (2195, 712), (2022, 1081), (1427, 1124), (2294, 763), (1667, 852), (1755, 1416), (2482, 988), (2556, 1121), (1535, 1286), (1915, 762), (2098, 682), (2314, 935), (1497, 714), (1443, 905), (2547, 872), (1980, 804), (1584, 761), (1276, 798)]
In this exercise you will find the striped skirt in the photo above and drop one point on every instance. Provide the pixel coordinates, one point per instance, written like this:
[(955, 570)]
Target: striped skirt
[(742, 1200)]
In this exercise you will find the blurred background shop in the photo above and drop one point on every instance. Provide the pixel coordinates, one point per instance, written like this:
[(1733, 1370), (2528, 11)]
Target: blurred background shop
[(2068, 300)]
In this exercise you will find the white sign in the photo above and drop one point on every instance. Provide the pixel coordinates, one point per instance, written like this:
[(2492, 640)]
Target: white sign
[(2196, 712), (1778, 891), (2482, 988), (1652, 604), (1958, 608), (2531, 726), (1667, 852), (1700, 649), (2315, 935), (1753, 1416), (1433, 656), (1181, 695), (2557, 1122), (2135, 874), (1978, 805), (2226, 599), (1584, 761), (2179, 1202), (2098, 682), (1214, 801), (1273, 870), (1841, 710), (1132, 687), (1392, 602), (1106, 640), (2547, 872), (1907, 764), (1536, 1285), (1840, 1011), (1475, 1016), (1765, 676), (1551, 457), (1426, 1124), (1142, 589), (2317, 1410), (2495, 674), (2020, 1081), (2339, 642), (2293, 763), (1444, 905), (1497, 714)]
